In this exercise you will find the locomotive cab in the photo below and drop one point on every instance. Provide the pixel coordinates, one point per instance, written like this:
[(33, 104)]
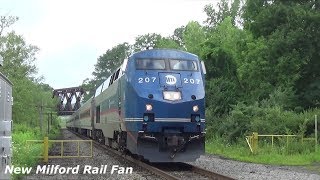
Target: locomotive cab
[(152, 106), (166, 98)]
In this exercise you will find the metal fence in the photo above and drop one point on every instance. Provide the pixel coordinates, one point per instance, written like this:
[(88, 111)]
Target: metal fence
[(62, 143), (253, 140)]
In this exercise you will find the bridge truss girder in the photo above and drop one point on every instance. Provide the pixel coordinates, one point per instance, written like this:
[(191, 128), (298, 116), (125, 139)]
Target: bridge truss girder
[(67, 94)]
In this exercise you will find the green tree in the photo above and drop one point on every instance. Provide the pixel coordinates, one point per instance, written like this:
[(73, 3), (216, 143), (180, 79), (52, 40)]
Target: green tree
[(226, 8), (194, 36), (6, 21), (223, 48), (19, 67), (109, 61), (178, 36), (106, 64), (18, 56), (89, 85), (167, 43), (221, 54), (291, 45), (146, 41)]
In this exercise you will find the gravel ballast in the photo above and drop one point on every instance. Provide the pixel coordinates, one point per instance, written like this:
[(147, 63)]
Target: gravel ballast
[(251, 171)]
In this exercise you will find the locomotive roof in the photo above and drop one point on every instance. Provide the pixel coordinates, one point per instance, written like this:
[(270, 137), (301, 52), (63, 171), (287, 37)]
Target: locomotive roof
[(167, 53)]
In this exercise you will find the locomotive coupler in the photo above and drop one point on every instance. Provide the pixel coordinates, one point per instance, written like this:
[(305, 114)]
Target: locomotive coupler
[(176, 144)]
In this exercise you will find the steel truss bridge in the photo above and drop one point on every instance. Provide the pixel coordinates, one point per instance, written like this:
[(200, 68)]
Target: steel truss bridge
[(67, 95)]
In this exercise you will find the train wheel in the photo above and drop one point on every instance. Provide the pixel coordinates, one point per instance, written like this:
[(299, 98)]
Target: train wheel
[(100, 137), (110, 142)]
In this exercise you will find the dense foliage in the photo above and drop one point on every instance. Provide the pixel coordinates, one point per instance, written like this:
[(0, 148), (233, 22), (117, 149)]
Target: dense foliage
[(262, 59)]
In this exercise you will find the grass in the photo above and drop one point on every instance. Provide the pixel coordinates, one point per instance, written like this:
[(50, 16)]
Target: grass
[(25, 154), (297, 154)]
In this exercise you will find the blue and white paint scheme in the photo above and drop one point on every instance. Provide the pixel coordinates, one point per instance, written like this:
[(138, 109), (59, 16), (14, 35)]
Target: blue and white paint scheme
[(153, 106)]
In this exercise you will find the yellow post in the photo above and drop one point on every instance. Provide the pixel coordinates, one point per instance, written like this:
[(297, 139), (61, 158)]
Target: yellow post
[(272, 141), (45, 149), (255, 142)]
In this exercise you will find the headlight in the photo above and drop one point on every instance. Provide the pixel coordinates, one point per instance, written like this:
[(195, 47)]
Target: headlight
[(148, 107), (195, 108), (171, 95)]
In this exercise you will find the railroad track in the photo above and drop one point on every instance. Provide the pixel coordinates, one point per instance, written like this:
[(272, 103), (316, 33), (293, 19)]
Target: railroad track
[(185, 171), (170, 171)]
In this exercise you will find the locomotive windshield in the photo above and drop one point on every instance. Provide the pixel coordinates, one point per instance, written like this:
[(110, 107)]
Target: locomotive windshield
[(183, 65), (160, 64), (150, 64)]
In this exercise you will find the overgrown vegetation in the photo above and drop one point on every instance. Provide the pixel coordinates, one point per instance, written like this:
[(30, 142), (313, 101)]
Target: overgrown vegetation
[(279, 154), (29, 93), (26, 154)]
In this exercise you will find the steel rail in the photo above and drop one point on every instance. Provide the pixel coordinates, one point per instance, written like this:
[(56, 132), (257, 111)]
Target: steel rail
[(152, 169), (157, 171), (205, 172)]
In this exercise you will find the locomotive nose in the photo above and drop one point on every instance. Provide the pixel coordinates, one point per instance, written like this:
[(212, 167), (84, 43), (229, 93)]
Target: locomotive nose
[(170, 79)]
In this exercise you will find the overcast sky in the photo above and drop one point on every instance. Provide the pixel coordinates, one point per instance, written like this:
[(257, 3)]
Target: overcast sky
[(72, 34)]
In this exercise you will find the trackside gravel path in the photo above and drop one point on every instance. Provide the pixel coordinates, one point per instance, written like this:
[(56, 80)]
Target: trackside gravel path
[(251, 171), (100, 157)]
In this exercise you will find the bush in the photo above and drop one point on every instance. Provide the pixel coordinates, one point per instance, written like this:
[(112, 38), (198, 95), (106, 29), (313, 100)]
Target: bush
[(245, 119), (25, 154), (223, 95)]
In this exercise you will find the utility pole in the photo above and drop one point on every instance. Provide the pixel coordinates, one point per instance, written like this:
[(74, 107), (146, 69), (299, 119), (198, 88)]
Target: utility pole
[(316, 132), (49, 122), (41, 116), (42, 108)]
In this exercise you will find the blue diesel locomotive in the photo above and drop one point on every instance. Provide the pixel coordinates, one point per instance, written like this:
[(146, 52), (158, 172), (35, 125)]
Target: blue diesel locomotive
[(152, 106)]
